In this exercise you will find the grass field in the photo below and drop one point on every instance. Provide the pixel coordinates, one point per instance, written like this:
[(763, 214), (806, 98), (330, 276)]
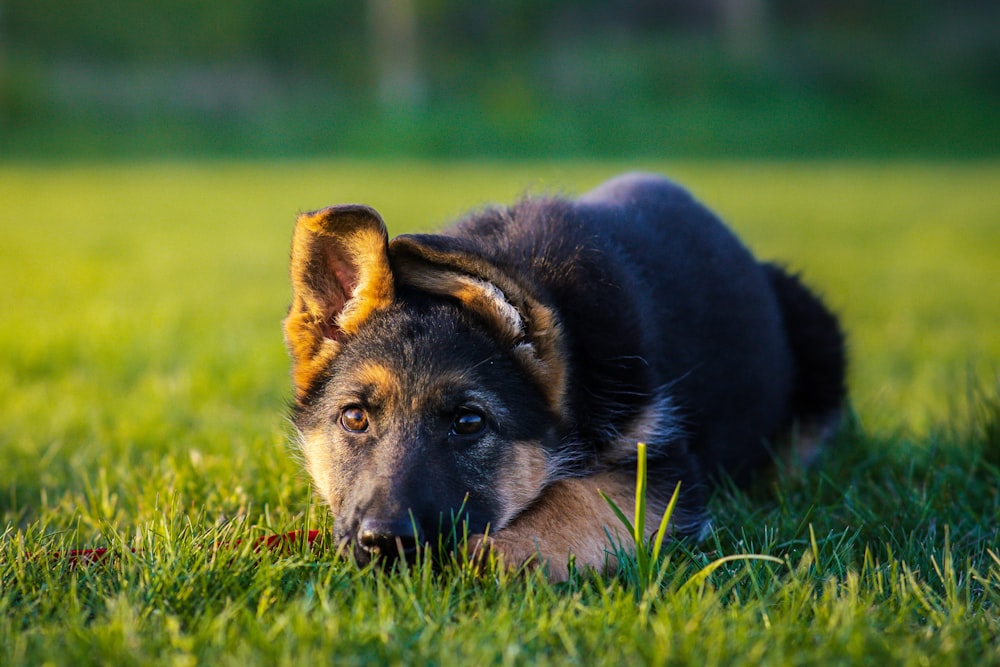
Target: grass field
[(143, 386)]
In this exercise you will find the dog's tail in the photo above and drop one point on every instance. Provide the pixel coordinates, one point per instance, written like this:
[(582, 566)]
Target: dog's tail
[(818, 348)]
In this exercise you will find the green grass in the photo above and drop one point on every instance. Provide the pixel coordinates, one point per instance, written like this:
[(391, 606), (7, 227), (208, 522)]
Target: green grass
[(143, 384)]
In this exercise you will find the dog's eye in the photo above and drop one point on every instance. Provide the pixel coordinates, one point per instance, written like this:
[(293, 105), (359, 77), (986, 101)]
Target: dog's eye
[(467, 422), (354, 420)]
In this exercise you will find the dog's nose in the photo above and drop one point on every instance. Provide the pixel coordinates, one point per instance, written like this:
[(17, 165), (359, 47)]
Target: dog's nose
[(389, 537)]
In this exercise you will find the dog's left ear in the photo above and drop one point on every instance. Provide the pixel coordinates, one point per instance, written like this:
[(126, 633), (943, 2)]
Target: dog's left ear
[(340, 276), (441, 265)]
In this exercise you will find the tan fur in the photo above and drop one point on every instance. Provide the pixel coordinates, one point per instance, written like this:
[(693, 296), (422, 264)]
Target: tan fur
[(546, 358), (340, 275), (317, 448), (319, 462), (523, 481), (480, 296), (574, 520), (379, 378), (309, 348), (374, 289)]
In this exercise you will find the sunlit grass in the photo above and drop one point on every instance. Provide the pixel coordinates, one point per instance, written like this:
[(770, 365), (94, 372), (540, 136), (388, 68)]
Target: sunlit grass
[(143, 386), (649, 570)]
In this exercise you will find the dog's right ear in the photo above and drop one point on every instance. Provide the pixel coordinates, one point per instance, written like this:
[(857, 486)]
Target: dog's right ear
[(340, 276)]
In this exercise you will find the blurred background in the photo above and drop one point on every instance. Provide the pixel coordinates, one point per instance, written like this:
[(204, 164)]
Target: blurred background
[(509, 78)]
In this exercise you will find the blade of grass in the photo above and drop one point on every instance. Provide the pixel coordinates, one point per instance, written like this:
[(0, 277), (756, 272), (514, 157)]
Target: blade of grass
[(661, 531), (701, 575)]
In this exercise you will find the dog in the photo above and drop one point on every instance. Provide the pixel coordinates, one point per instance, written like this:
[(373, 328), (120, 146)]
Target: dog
[(500, 374)]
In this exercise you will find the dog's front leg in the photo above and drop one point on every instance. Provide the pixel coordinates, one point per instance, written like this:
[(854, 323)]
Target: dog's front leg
[(570, 519)]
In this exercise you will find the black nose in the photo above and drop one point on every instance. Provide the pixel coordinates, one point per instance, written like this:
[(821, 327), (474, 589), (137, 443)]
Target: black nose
[(389, 537)]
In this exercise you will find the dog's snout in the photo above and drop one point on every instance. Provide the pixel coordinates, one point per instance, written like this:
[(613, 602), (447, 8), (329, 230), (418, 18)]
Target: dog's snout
[(389, 537)]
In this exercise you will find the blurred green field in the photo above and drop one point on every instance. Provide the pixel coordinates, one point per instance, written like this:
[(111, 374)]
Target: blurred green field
[(143, 386), (166, 273)]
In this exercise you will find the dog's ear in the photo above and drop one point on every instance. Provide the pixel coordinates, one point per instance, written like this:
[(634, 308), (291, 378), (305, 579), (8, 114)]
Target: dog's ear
[(340, 275), (441, 265)]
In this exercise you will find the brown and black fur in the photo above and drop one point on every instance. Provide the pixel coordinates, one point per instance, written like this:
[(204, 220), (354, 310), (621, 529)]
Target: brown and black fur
[(504, 370)]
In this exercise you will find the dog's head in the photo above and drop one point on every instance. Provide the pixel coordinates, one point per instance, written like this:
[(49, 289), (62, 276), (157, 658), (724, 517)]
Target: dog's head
[(429, 383)]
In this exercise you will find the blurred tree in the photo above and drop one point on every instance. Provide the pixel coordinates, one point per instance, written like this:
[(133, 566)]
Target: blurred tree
[(572, 71), (400, 82), (3, 72), (745, 27)]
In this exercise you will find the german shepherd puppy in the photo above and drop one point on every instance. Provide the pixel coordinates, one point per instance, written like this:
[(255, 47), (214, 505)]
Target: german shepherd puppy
[(502, 372)]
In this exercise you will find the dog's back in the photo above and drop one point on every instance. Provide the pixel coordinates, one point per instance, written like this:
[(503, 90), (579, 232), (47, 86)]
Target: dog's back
[(661, 302)]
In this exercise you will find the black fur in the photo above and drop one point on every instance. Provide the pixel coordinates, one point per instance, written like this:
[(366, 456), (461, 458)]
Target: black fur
[(655, 292), (663, 312), (817, 344)]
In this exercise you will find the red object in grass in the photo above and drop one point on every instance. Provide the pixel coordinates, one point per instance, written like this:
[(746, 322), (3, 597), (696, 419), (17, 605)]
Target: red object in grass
[(268, 542)]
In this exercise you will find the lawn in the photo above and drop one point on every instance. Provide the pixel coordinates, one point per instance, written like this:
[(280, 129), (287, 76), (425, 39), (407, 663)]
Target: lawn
[(144, 384)]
